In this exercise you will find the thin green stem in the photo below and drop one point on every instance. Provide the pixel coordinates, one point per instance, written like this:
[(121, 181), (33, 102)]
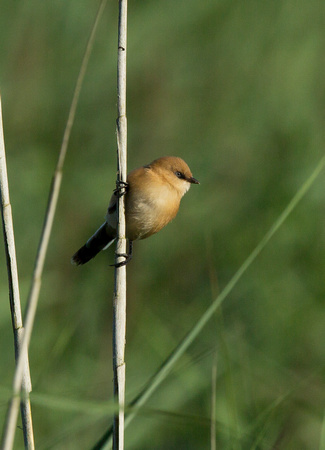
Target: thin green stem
[(169, 363)]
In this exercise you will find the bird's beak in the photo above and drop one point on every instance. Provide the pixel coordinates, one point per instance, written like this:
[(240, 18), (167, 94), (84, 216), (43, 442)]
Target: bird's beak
[(193, 180)]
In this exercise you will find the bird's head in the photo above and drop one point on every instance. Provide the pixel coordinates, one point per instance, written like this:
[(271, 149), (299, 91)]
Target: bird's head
[(175, 171)]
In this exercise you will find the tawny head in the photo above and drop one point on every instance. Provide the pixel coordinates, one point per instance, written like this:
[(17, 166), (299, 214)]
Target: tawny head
[(175, 171)]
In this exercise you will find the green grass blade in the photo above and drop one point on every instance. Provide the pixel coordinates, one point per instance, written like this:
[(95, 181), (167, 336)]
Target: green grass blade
[(168, 364)]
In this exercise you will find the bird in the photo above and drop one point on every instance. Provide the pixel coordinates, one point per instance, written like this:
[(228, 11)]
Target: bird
[(152, 198)]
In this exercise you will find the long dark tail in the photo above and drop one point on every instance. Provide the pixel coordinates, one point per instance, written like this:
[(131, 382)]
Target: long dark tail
[(103, 237)]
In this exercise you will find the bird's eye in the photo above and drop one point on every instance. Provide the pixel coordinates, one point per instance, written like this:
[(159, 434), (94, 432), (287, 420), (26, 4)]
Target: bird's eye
[(179, 174)]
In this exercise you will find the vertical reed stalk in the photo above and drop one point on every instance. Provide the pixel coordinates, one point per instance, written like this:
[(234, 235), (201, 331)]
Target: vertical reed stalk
[(119, 301), (33, 297), (14, 297)]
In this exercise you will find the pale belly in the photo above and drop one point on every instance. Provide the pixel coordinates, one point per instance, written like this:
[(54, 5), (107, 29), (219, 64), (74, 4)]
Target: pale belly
[(148, 216)]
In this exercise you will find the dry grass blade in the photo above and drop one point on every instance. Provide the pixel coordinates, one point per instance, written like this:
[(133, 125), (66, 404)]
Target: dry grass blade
[(44, 240), (14, 295)]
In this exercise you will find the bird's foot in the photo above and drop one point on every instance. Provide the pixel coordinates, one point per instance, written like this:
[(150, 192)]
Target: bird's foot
[(121, 188), (127, 256)]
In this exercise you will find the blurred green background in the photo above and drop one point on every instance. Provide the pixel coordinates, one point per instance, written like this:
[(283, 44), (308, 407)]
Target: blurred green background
[(237, 89)]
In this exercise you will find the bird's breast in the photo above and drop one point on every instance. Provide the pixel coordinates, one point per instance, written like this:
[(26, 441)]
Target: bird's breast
[(149, 210)]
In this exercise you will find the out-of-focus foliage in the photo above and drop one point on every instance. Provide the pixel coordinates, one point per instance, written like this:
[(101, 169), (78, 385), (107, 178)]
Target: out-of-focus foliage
[(237, 89)]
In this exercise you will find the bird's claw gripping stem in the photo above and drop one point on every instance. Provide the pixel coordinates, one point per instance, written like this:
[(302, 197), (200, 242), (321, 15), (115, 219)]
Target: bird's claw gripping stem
[(121, 188), (127, 256)]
